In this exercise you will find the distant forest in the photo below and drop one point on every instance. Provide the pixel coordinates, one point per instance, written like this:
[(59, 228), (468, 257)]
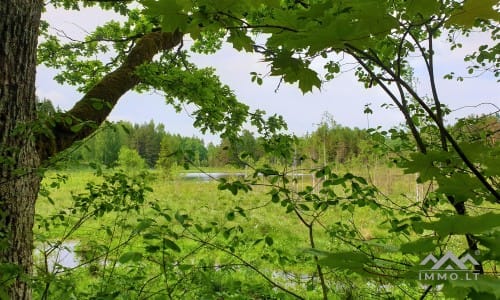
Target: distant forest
[(330, 142), (156, 146)]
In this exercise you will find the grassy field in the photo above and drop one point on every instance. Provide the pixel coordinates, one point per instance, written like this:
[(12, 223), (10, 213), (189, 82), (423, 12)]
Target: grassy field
[(190, 240)]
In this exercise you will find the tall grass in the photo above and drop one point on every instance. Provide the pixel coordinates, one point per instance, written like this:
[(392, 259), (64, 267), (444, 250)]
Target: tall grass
[(260, 220)]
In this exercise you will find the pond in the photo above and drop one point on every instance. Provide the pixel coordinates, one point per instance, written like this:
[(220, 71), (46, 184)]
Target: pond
[(209, 176), (61, 256), (200, 176)]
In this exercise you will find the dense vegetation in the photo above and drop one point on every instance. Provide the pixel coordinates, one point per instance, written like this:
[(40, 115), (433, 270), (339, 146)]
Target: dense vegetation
[(330, 142), (328, 232), (144, 235)]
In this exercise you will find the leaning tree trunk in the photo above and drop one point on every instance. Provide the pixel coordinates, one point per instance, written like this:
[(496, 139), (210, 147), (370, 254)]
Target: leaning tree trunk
[(19, 182)]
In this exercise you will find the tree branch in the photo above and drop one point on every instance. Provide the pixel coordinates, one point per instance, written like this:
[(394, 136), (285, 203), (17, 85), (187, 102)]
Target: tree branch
[(432, 79), (358, 56), (404, 101), (435, 119), (95, 106)]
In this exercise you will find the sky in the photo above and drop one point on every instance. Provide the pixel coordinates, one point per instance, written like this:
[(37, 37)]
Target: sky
[(343, 98)]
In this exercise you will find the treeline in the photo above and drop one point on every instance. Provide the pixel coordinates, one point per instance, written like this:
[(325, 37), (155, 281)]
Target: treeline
[(149, 140), (158, 148), (330, 142)]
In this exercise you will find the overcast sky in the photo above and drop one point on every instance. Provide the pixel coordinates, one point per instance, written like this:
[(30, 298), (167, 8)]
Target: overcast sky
[(343, 97)]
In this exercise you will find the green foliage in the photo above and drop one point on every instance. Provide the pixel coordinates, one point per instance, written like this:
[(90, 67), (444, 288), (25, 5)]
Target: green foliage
[(146, 139), (449, 225), (471, 11), (331, 142), (103, 147), (484, 288), (113, 197), (352, 261), (217, 109), (167, 151), (81, 63), (372, 240), (167, 156), (130, 159), (8, 274), (237, 151), (295, 70), (298, 32), (153, 245)]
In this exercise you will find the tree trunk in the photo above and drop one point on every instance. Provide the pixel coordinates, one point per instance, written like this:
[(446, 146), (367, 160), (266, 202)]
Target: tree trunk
[(19, 180), (22, 150)]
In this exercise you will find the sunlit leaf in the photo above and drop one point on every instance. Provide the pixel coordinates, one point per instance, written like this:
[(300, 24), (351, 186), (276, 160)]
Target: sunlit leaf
[(458, 224), (473, 10)]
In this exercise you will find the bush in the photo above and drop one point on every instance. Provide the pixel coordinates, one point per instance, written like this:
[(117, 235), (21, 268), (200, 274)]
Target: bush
[(130, 160)]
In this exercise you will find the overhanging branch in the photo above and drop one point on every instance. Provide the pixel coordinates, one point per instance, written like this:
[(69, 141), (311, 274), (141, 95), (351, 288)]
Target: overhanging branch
[(95, 106)]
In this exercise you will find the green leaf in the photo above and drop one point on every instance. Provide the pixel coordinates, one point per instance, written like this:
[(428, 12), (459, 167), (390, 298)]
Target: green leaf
[(230, 216), (267, 171), (77, 127), (473, 10), (180, 217), (97, 104), (269, 241), (257, 242), (458, 224), (275, 198), (461, 186), (423, 8), (198, 228), (150, 236), (308, 79), (295, 70), (170, 244), (185, 267), (130, 256), (4, 295), (240, 42), (173, 16), (484, 284), (491, 241), (353, 261), (425, 164), (68, 120), (423, 245), (304, 207), (152, 248), (143, 224)]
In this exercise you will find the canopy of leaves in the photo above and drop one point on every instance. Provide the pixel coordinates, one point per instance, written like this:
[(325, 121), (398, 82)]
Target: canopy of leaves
[(297, 32), (293, 36)]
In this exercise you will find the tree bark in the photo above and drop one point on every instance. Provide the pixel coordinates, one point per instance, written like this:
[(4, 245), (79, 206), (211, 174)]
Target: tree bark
[(19, 182)]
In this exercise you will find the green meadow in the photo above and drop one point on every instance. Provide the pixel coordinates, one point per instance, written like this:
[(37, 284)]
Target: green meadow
[(188, 239)]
